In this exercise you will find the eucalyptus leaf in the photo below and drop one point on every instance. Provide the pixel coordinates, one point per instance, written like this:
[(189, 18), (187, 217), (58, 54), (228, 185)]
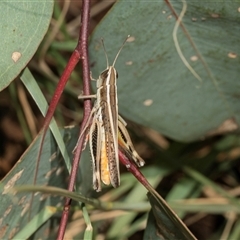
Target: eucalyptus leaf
[(23, 26), (163, 223), (184, 86), (17, 209)]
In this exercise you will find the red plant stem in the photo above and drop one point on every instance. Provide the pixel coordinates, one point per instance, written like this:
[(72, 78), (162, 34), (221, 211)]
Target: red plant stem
[(134, 170), (74, 59), (82, 50)]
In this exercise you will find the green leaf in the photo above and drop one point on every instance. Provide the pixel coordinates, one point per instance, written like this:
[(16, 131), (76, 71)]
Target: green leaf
[(155, 87), (163, 223), (32, 87), (35, 223), (23, 26), (15, 209)]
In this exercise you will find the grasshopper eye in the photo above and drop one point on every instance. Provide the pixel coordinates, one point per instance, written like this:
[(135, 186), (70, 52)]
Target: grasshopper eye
[(116, 74)]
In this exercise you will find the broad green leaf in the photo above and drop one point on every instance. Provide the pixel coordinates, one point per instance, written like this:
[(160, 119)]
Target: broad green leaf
[(23, 26), (163, 223), (52, 171), (155, 87)]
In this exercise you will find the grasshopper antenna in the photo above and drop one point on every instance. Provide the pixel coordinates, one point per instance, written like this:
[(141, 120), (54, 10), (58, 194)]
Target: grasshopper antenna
[(105, 52), (120, 50)]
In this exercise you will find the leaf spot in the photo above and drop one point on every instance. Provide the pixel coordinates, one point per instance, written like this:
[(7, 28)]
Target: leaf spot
[(215, 15), (232, 55), (7, 211), (36, 193), (163, 12), (194, 19), (16, 56), (12, 182), (59, 171), (129, 63), (25, 209), (3, 230), (22, 200), (239, 9), (131, 39), (49, 173), (44, 196), (148, 102), (53, 157), (13, 233), (169, 17), (194, 58)]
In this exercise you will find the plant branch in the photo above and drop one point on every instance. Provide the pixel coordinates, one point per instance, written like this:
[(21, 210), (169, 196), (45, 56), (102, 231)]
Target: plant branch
[(131, 167), (82, 51)]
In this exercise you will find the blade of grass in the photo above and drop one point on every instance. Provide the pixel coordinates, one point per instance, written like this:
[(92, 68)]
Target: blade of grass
[(88, 233), (31, 85), (205, 181), (236, 230), (21, 118)]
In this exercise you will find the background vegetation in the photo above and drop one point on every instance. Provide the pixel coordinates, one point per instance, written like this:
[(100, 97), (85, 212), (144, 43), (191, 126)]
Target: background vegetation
[(194, 165)]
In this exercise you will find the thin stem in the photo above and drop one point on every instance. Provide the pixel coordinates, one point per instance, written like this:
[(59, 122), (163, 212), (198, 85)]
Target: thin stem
[(74, 59), (134, 170), (81, 50)]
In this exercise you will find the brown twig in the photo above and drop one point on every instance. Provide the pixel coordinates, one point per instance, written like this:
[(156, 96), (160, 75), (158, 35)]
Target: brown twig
[(81, 51)]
